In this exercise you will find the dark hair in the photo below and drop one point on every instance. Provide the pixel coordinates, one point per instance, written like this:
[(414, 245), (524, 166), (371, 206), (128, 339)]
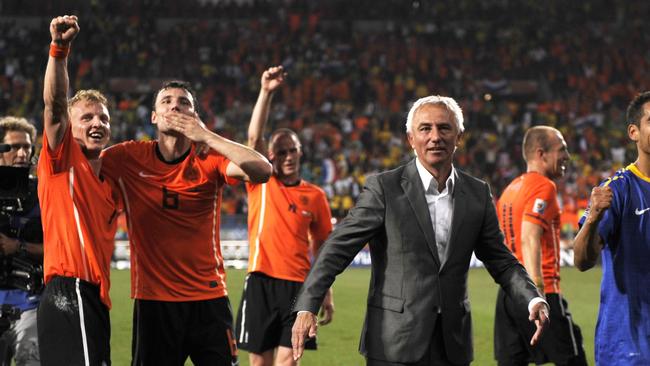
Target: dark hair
[(635, 109), (177, 84)]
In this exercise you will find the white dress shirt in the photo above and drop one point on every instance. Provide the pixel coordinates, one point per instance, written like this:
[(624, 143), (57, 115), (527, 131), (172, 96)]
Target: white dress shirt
[(441, 208)]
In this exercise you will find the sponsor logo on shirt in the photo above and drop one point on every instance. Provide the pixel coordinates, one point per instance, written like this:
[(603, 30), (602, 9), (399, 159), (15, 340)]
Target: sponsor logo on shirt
[(145, 175), (304, 200), (641, 212)]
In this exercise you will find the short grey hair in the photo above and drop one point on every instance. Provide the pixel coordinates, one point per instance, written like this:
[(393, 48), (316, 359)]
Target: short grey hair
[(448, 103)]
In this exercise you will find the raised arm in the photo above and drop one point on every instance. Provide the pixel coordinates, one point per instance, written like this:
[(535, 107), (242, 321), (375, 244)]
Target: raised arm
[(588, 243), (271, 80), (55, 115)]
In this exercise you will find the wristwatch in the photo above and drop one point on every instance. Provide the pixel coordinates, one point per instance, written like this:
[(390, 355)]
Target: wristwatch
[(22, 247)]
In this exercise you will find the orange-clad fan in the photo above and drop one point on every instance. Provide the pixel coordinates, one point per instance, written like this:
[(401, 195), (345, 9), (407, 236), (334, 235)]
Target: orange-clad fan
[(79, 210), (288, 220), (529, 217), (172, 197)]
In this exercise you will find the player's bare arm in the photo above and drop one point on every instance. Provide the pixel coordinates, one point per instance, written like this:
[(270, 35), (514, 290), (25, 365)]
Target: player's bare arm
[(63, 30), (272, 79), (531, 249), (326, 313), (245, 163), (588, 243)]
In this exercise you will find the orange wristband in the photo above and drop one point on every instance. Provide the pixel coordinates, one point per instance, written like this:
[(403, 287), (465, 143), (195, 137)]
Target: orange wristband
[(58, 51)]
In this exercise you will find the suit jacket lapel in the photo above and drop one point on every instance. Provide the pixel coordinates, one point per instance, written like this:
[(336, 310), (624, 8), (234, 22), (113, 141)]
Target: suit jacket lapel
[(460, 207), (414, 191)]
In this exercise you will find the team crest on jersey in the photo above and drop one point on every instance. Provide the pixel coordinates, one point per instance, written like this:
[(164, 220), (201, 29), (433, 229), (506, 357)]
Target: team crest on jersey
[(190, 173), (304, 200), (540, 206)]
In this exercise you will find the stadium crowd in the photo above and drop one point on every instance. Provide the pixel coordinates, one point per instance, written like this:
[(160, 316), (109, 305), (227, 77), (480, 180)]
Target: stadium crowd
[(354, 68)]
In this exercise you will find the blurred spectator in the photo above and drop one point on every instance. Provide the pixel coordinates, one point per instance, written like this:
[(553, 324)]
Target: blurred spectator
[(355, 66)]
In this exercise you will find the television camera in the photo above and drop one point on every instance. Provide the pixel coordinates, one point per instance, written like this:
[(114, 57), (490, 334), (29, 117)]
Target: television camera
[(18, 198)]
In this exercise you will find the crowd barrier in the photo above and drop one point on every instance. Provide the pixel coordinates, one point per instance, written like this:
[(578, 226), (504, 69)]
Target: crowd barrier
[(235, 255)]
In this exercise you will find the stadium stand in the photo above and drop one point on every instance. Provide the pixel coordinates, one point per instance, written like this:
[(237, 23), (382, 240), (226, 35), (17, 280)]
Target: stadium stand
[(354, 67)]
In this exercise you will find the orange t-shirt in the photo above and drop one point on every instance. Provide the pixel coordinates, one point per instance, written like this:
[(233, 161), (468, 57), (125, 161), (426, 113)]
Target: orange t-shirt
[(533, 197), (281, 220), (173, 220), (79, 214)]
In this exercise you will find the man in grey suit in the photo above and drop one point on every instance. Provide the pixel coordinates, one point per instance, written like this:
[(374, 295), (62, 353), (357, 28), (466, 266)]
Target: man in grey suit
[(422, 221)]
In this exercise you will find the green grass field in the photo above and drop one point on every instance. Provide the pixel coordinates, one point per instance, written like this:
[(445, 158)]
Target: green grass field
[(338, 342)]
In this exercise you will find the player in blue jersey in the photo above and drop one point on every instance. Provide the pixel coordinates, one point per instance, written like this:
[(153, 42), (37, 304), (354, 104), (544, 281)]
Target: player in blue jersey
[(617, 224)]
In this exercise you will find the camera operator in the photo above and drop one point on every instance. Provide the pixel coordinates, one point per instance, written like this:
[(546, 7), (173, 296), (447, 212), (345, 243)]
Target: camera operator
[(21, 247)]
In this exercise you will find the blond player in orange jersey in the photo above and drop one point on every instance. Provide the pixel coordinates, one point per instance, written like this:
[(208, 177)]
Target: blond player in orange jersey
[(288, 221), (79, 210), (529, 216)]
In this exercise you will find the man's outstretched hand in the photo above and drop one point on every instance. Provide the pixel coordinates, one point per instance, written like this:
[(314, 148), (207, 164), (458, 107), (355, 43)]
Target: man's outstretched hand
[(305, 326), (539, 314)]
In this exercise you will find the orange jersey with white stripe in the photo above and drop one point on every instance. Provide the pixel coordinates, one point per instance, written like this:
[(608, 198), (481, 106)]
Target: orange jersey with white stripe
[(533, 197), (281, 220), (173, 220), (79, 214)]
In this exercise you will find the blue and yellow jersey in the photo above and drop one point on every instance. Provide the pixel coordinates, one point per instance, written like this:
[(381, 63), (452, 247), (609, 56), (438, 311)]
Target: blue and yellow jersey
[(623, 328)]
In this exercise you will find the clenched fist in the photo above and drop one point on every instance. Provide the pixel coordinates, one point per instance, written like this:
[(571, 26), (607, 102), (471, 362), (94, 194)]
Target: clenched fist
[(273, 78), (64, 29), (601, 199)]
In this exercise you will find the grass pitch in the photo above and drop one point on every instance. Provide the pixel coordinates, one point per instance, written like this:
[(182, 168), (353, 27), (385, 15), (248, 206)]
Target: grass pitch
[(338, 342)]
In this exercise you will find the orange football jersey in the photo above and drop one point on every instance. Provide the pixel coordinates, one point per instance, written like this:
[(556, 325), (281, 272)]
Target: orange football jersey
[(533, 197), (173, 214), (281, 220), (79, 213)]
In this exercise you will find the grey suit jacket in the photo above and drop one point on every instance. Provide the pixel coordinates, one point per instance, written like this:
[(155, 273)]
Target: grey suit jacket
[(409, 289)]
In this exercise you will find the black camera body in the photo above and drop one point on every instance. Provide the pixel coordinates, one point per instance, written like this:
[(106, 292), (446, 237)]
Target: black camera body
[(20, 218), (8, 314)]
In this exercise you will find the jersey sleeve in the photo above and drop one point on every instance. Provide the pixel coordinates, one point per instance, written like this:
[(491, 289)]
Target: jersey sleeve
[(540, 207), (112, 157), (219, 164), (56, 161), (321, 226), (250, 186)]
